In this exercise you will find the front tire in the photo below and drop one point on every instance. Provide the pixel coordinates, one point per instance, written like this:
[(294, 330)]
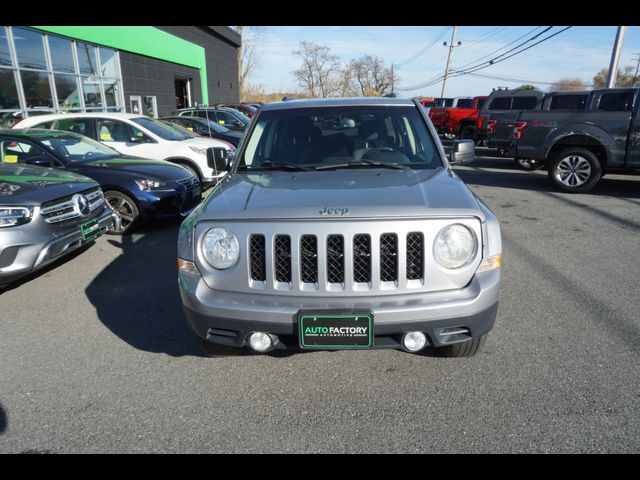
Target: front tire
[(575, 170), (126, 213)]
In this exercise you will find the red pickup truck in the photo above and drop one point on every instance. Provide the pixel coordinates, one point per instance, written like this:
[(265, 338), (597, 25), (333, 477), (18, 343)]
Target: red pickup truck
[(458, 121)]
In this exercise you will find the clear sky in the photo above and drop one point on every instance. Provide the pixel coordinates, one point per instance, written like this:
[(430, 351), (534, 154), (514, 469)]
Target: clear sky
[(579, 52)]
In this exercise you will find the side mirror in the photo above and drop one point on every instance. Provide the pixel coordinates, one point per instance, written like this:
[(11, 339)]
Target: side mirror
[(136, 140), (462, 151), (218, 158), (238, 123)]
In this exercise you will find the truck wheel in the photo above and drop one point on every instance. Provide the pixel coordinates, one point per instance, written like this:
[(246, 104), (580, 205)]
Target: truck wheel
[(528, 164), (466, 349), (125, 210), (575, 170), (469, 133)]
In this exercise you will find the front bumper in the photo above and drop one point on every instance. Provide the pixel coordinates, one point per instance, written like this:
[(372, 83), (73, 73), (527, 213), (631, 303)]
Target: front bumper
[(169, 204), (22, 252), (228, 318)]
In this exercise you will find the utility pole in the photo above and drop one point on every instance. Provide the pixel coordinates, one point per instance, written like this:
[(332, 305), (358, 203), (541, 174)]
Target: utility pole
[(446, 69), (392, 78), (615, 57), (635, 76)]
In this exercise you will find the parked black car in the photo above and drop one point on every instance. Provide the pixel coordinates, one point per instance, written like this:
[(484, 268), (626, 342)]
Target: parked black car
[(207, 128), (135, 188), (227, 117), (580, 145)]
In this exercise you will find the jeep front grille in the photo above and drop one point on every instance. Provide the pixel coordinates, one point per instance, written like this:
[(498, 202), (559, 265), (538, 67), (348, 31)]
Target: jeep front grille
[(334, 257), (61, 210)]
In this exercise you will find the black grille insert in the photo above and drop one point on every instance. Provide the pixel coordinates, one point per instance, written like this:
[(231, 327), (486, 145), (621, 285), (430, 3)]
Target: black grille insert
[(257, 256), (283, 258), (335, 259), (309, 259), (388, 257), (362, 258), (415, 255)]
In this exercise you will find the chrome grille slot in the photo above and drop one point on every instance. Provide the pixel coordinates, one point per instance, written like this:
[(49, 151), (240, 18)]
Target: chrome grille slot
[(309, 259), (258, 259), (388, 257), (415, 256), (282, 260), (362, 258), (335, 259)]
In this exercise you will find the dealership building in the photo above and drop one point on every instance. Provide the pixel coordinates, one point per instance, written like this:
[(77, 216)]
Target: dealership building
[(147, 70)]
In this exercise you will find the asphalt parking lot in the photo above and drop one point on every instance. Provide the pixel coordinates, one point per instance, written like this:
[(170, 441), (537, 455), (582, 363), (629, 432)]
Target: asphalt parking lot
[(95, 355)]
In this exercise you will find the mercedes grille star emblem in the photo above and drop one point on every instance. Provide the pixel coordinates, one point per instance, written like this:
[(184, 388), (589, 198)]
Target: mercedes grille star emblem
[(82, 205)]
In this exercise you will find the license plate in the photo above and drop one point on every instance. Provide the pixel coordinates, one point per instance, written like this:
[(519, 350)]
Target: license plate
[(90, 230), (335, 330)]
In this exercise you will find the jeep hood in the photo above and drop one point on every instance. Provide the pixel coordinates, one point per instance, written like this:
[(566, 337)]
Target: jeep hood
[(365, 192)]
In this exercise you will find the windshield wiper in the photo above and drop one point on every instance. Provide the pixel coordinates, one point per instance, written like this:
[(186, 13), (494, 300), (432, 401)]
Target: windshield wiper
[(289, 165), (363, 163)]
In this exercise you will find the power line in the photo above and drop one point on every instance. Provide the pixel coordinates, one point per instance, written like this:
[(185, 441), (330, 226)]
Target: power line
[(425, 48), (489, 62)]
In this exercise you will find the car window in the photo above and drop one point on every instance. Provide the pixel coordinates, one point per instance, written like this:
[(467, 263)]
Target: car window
[(500, 103), (320, 137), (45, 125), (116, 131), (160, 129), (524, 103), (12, 151), (75, 125), (226, 119), (77, 148), (616, 102), (465, 103), (568, 102)]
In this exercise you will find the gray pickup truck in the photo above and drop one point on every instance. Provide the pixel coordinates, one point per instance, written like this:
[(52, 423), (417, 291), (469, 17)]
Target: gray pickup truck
[(341, 235), (579, 146)]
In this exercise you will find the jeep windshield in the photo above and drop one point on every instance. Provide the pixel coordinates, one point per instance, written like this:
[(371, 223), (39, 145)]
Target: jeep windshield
[(323, 138)]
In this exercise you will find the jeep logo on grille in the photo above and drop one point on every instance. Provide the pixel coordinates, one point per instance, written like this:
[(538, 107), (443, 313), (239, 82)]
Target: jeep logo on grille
[(334, 211)]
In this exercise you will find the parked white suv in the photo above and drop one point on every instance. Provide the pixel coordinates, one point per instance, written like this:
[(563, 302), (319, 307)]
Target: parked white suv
[(139, 136)]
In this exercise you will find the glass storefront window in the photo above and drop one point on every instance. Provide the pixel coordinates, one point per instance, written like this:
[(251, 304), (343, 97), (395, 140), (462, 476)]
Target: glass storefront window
[(61, 55), (37, 90), (108, 62), (87, 59), (67, 90), (91, 88), (29, 48), (5, 56), (111, 92), (8, 90)]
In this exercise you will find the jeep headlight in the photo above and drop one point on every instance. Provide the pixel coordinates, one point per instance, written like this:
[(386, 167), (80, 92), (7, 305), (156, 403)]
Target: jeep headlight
[(454, 246), (221, 248), (14, 216)]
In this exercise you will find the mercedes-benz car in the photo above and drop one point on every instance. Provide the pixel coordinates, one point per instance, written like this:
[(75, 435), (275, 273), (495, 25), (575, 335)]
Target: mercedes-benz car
[(45, 214), (348, 234)]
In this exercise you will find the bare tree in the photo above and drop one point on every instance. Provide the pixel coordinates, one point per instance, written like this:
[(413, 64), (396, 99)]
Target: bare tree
[(371, 77), (565, 84), (248, 59), (626, 77), (319, 73)]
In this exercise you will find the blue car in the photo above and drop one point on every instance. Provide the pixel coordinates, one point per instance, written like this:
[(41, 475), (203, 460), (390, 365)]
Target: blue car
[(136, 189)]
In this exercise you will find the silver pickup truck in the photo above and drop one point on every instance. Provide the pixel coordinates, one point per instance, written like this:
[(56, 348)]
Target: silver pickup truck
[(341, 225)]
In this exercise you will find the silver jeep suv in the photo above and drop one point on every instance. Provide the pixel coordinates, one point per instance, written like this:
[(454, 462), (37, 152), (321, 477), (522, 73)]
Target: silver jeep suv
[(341, 225)]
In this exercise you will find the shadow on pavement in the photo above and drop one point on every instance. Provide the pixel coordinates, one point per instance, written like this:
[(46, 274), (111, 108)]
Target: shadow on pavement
[(510, 176), (136, 296), (3, 420)]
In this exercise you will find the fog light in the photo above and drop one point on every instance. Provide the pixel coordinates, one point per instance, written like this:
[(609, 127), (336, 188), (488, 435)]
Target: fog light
[(261, 342), (414, 341)]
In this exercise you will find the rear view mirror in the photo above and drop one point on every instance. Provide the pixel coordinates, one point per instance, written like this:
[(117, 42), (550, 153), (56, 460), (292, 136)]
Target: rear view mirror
[(218, 158), (462, 151), (136, 140), (39, 161)]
